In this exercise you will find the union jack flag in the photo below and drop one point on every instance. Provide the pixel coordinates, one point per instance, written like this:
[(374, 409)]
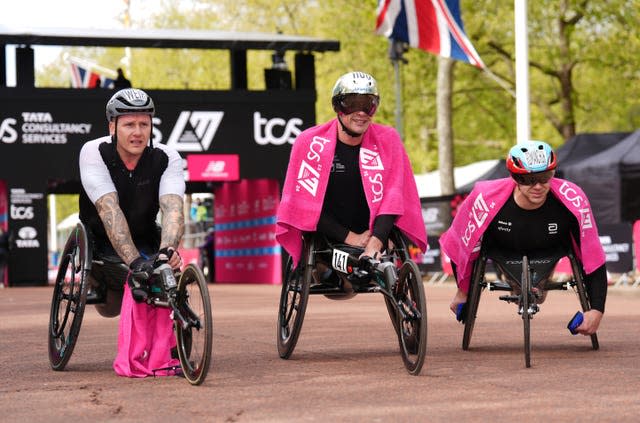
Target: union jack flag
[(83, 77), (431, 25)]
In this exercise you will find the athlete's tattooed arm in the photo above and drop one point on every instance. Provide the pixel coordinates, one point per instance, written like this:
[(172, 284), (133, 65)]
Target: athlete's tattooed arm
[(116, 226), (172, 220)]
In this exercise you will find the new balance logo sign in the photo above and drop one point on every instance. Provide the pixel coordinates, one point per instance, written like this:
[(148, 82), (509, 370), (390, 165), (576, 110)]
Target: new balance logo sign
[(194, 131), (215, 167), (308, 178), (370, 160)]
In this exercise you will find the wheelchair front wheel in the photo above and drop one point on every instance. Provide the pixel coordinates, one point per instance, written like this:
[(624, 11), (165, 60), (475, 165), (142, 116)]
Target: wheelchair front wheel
[(526, 316), (293, 304), (411, 317), (195, 338), (69, 299)]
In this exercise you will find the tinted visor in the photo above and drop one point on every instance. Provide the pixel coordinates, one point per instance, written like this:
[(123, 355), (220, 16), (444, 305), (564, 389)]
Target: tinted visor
[(531, 179), (352, 103)]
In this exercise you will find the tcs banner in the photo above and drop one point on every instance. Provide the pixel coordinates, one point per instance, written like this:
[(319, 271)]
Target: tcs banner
[(245, 232)]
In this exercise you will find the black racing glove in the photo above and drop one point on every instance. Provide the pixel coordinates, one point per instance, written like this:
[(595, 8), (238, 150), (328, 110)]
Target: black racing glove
[(165, 254), (140, 271), (142, 265)]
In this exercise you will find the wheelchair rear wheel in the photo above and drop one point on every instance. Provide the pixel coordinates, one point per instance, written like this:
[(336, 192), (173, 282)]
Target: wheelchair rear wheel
[(412, 317), (293, 303), (473, 300), (582, 296), (526, 316), (195, 339), (69, 298)]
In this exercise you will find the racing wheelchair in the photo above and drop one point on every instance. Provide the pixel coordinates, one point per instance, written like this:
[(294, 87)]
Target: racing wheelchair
[(529, 279), (335, 271), (185, 293)]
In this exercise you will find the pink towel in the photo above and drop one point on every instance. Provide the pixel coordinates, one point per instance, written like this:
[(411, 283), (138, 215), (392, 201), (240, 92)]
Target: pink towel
[(387, 178), (461, 242), (145, 339)]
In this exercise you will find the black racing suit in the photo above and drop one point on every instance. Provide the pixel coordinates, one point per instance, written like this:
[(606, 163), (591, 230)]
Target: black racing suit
[(345, 205)]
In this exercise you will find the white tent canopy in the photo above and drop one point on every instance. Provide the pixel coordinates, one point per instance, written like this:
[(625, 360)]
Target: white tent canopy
[(68, 222), (429, 183)]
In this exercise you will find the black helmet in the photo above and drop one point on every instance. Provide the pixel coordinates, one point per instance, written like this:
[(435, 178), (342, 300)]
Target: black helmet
[(129, 101)]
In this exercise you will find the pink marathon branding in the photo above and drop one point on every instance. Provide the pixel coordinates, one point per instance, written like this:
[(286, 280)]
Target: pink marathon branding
[(213, 167)]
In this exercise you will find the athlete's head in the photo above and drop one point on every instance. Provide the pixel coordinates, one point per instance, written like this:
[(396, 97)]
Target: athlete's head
[(531, 162), (130, 112), (129, 101), (355, 98)]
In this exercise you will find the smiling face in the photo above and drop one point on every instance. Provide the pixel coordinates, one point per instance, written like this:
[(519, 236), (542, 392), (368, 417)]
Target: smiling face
[(356, 122), (133, 133)]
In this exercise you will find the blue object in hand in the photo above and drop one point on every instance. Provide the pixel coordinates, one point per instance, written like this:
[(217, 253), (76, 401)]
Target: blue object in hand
[(461, 312), (575, 321)]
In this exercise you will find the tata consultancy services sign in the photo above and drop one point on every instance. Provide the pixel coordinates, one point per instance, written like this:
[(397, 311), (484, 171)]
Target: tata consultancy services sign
[(43, 130), (213, 167)]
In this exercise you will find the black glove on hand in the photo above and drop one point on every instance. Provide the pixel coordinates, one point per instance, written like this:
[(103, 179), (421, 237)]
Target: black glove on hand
[(141, 269), (141, 264), (166, 253)]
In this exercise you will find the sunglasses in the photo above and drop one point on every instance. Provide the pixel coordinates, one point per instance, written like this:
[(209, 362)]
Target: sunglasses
[(533, 178), (352, 103)]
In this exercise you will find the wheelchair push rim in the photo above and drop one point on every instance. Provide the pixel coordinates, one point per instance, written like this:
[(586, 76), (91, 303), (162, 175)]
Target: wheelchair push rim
[(411, 313), (195, 339), (581, 292), (68, 300), (475, 292)]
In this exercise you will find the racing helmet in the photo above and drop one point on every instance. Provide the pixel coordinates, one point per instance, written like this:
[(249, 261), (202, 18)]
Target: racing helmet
[(355, 83), (129, 101), (531, 157)]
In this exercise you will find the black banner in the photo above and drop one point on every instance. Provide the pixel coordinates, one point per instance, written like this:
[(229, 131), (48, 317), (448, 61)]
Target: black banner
[(42, 131), (617, 242), (28, 234)]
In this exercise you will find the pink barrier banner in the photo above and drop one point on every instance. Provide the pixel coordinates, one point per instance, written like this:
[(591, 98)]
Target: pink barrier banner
[(245, 224), (213, 167), (189, 255)]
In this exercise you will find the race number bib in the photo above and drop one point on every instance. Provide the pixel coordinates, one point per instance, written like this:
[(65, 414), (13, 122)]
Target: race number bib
[(339, 260)]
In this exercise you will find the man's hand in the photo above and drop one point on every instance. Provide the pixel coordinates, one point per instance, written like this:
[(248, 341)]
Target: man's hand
[(373, 247), (358, 240), (590, 322), (171, 256)]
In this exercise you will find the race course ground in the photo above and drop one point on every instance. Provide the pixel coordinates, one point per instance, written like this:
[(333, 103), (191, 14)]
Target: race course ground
[(346, 367)]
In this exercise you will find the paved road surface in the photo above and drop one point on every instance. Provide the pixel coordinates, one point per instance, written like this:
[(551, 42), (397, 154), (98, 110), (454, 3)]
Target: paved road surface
[(346, 367)]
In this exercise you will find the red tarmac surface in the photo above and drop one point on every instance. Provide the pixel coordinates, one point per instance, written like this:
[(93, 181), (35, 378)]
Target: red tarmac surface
[(346, 367)]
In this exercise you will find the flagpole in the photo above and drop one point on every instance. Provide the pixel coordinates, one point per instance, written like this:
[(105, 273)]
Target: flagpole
[(127, 50), (522, 71), (396, 51)]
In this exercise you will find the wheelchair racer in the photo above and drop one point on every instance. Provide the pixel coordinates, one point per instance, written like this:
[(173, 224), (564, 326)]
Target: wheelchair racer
[(531, 213), (126, 180), (350, 178)]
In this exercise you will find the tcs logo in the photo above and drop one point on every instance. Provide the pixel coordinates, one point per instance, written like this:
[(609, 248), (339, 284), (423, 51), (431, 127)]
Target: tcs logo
[(8, 134), (265, 131), (21, 213)]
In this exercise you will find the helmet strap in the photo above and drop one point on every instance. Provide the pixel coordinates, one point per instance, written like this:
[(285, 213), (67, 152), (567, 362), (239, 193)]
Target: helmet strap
[(347, 130)]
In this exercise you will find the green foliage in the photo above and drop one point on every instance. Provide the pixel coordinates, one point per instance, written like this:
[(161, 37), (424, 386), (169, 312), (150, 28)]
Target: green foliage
[(601, 52)]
